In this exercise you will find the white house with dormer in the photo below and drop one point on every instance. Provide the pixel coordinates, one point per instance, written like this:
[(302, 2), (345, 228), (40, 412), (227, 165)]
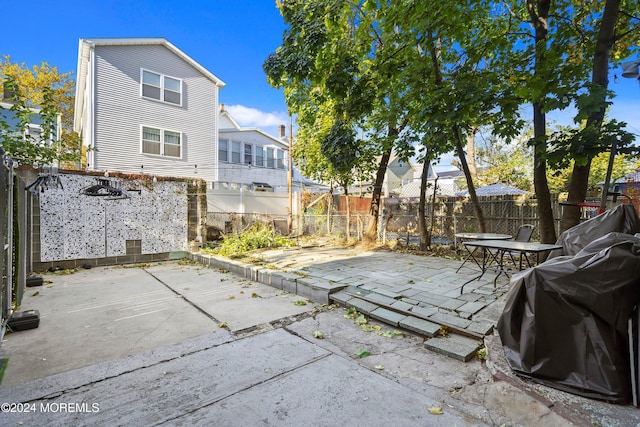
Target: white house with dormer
[(251, 159)]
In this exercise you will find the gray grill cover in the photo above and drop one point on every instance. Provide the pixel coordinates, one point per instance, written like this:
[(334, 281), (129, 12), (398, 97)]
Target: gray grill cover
[(623, 219), (565, 323)]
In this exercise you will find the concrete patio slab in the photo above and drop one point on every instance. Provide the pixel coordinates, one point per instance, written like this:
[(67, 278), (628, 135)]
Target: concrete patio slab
[(97, 315)]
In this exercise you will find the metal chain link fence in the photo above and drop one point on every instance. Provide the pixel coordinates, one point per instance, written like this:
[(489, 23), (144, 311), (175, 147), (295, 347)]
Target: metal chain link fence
[(399, 219)]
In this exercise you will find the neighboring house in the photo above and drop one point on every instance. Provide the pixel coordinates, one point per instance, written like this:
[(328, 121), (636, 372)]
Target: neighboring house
[(144, 106), (33, 128), (399, 173), (251, 159), (446, 184), (629, 184)]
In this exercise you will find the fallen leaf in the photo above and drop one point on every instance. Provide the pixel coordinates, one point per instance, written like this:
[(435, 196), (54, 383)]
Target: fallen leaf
[(254, 295), (390, 334), (318, 334), (361, 352), (232, 296), (223, 325), (435, 410), (361, 320), (379, 367), (299, 302), (35, 294)]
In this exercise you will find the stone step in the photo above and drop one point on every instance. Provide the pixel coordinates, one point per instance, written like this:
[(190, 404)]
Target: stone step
[(455, 345), (385, 307)]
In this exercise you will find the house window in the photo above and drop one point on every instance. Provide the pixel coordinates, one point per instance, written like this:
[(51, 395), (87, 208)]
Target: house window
[(161, 87), (259, 156), (161, 142), (280, 159), (223, 150), (248, 154), (270, 158), (235, 152)]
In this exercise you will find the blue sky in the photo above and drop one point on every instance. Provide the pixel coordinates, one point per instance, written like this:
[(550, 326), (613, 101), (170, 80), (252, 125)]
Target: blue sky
[(229, 38)]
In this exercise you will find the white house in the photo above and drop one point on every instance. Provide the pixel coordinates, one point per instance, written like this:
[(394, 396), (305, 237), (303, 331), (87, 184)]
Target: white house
[(144, 106), (251, 159)]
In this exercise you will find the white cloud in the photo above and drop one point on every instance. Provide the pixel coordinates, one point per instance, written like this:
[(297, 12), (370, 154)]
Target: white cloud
[(251, 117)]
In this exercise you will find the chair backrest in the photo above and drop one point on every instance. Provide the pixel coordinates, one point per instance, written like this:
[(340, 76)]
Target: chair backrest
[(524, 233)]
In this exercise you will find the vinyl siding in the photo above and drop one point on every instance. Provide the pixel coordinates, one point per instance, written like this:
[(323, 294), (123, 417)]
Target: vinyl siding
[(230, 172), (120, 112)]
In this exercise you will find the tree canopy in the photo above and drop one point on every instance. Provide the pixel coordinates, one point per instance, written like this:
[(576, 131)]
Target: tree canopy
[(41, 94), (421, 77)]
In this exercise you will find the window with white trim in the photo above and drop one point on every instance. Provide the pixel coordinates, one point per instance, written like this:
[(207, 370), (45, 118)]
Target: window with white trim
[(235, 151), (259, 156), (161, 142), (248, 154), (223, 150), (162, 88), (280, 159), (270, 158)]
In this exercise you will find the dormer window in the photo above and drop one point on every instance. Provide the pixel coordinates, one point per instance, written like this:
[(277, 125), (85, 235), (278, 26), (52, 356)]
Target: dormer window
[(162, 88)]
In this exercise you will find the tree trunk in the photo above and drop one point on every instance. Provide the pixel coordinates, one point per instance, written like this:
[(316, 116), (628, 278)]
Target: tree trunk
[(579, 181), (348, 219), (540, 183), (433, 209), (371, 232), (425, 238), (460, 150), (477, 209), (539, 13), (471, 153)]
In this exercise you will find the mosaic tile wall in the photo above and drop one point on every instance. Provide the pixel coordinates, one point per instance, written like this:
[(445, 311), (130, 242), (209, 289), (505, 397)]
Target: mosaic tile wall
[(77, 226)]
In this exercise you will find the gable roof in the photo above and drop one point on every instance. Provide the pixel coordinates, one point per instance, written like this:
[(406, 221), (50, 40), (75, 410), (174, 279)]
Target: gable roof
[(225, 117), (86, 45), (495, 190)]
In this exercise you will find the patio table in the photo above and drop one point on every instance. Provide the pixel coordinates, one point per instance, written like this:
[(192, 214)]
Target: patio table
[(491, 260), (477, 236)]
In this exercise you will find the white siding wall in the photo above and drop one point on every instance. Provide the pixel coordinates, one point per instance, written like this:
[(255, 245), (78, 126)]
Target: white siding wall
[(120, 112), (233, 172)]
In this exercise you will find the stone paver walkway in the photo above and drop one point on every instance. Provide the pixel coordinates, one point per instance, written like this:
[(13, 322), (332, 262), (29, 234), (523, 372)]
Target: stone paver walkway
[(417, 293)]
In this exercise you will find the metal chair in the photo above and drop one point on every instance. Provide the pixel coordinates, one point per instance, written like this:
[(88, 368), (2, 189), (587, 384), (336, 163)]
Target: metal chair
[(524, 235)]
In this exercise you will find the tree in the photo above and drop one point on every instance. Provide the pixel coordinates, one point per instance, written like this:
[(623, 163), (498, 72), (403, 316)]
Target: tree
[(509, 163), (44, 87), (614, 31), (25, 143), (328, 65), (461, 85)]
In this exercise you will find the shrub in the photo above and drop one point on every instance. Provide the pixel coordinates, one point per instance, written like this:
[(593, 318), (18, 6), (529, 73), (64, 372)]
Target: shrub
[(256, 237)]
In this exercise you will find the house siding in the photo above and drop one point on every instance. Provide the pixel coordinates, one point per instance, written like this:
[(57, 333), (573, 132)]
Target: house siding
[(120, 112), (237, 173)]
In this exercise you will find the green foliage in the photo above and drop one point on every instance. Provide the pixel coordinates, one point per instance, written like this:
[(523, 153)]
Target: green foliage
[(43, 87), (623, 164), (20, 140), (508, 163), (581, 145), (257, 237)]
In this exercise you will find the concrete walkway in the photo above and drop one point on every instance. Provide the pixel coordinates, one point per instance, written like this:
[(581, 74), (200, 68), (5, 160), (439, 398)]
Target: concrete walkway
[(179, 343)]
